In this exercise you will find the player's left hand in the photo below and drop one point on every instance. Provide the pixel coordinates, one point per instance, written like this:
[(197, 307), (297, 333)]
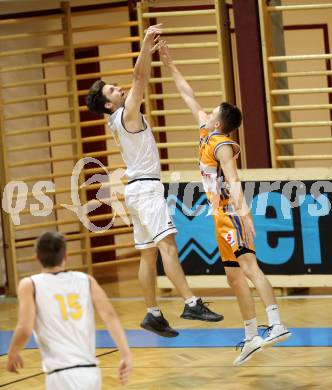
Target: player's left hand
[(14, 363)]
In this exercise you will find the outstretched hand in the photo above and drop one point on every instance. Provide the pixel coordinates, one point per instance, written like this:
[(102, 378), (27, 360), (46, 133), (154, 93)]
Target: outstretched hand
[(152, 37), (164, 53)]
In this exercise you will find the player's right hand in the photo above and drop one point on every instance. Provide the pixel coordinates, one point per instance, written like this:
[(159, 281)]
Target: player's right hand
[(14, 363), (152, 35), (125, 368)]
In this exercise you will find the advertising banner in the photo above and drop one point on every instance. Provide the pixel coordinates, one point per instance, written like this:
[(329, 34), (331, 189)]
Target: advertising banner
[(292, 219)]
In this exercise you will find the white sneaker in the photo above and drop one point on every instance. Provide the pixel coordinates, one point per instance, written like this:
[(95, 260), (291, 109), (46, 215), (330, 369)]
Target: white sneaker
[(249, 347), (275, 334)]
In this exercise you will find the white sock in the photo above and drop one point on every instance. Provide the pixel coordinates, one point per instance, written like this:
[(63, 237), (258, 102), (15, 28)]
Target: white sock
[(273, 316), (191, 301), (155, 311), (250, 328)]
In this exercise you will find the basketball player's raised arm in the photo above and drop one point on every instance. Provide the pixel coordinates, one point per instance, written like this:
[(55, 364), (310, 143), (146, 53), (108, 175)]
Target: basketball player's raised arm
[(25, 324), (225, 156), (142, 70), (183, 87), (109, 317)]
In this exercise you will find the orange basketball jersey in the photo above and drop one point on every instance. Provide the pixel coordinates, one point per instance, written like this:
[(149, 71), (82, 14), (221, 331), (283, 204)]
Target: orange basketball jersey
[(212, 177), (229, 228)]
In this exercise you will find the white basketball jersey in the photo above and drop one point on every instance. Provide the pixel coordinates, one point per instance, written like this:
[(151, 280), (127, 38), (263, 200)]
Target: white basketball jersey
[(139, 150), (65, 324)]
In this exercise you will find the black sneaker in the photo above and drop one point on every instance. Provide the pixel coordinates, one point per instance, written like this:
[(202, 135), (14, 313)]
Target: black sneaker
[(200, 312), (158, 325)]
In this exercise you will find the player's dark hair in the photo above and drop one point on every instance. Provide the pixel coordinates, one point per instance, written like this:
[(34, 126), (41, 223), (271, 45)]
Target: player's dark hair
[(96, 100), (51, 249), (230, 116)]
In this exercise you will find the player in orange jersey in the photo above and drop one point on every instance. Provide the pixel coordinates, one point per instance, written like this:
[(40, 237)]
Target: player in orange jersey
[(234, 227)]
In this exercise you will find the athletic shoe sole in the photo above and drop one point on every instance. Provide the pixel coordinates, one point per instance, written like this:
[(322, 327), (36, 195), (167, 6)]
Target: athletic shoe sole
[(160, 333), (248, 357), (277, 339), (189, 317)]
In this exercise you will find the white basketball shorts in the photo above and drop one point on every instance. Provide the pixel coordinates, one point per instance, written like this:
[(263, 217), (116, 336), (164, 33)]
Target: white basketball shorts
[(81, 378), (149, 211)]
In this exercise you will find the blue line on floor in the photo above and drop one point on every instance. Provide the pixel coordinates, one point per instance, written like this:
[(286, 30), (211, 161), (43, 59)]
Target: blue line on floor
[(195, 338)]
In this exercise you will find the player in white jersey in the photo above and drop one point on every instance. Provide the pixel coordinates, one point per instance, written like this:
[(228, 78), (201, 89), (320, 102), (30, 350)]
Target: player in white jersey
[(58, 307), (144, 194)]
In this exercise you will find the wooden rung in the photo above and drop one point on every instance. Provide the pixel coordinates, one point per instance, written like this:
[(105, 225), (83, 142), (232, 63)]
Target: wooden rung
[(154, 80), (24, 163), (300, 57), (69, 189), (105, 200), (79, 236), (58, 207), (39, 97), (300, 90), (42, 145), (104, 74), (302, 107), (109, 152), (45, 224), (189, 62), (84, 92), (107, 58), (29, 19), (69, 268), (48, 176), (107, 42), (93, 123), (98, 11), (35, 66), (28, 259), (289, 141), (40, 113), (281, 125), (174, 128), (194, 29), (68, 237), (113, 231), (179, 13), (113, 263), (96, 138), (305, 158), (197, 45), (105, 26), (102, 217), (155, 96), (298, 7), (176, 111), (109, 168), (185, 144), (48, 49), (35, 82), (31, 35), (40, 129), (112, 247), (178, 160), (303, 74)]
